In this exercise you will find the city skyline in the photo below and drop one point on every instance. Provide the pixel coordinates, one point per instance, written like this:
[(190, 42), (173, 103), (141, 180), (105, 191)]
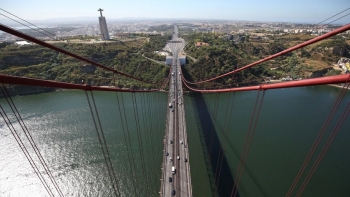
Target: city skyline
[(254, 10)]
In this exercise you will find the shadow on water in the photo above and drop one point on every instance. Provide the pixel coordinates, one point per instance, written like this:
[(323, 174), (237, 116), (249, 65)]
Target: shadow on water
[(221, 181)]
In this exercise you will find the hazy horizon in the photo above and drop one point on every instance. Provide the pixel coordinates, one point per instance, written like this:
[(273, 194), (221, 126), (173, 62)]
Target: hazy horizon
[(89, 20), (297, 11)]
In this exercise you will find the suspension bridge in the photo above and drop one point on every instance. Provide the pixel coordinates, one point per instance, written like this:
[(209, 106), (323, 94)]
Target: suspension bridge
[(176, 164)]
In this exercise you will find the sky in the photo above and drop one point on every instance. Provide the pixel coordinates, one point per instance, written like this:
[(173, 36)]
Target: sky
[(305, 11)]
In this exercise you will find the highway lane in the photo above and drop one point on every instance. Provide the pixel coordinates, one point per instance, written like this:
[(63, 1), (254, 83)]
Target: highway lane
[(176, 131)]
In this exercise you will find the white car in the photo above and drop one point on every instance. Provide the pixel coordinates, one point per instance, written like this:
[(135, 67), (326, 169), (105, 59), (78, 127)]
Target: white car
[(178, 157)]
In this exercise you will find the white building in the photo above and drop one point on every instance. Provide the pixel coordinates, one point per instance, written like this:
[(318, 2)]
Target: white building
[(21, 43)]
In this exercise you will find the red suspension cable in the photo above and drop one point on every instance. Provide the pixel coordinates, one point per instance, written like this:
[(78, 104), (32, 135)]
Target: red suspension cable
[(307, 82), (314, 40), (325, 148), (42, 43), (55, 84)]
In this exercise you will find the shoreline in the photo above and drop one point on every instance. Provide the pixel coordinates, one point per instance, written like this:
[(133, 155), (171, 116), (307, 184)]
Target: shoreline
[(56, 90), (336, 85)]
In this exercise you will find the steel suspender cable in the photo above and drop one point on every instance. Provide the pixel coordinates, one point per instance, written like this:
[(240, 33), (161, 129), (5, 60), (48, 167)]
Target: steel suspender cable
[(133, 178), (325, 148), (213, 126), (219, 162), (25, 151), (247, 143), (29, 138), (139, 141), (332, 16), (152, 133), (29, 23), (251, 139), (319, 137), (105, 156), (105, 143), (26, 25), (146, 138), (128, 133), (149, 138), (225, 129)]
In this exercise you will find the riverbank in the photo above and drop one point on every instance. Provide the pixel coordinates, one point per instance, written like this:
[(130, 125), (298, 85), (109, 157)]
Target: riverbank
[(338, 85), (16, 90)]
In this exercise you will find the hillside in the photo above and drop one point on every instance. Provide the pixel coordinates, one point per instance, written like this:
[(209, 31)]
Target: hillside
[(223, 55), (39, 62)]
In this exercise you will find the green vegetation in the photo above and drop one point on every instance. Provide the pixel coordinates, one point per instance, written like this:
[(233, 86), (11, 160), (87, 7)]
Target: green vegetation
[(223, 55), (156, 43), (38, 62)]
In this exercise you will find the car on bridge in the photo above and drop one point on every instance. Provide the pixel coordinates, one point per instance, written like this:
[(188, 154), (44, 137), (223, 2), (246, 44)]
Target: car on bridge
[(178, 157), (173, 192)]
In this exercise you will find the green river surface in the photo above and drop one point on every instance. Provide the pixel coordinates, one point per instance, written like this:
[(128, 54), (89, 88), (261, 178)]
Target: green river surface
[(62, 127)]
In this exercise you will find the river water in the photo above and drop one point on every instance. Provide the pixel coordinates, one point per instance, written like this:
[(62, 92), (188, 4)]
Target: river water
[(62, 126)]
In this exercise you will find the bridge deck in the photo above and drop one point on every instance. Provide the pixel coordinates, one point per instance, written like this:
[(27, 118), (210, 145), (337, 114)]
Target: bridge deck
[(175, 139)]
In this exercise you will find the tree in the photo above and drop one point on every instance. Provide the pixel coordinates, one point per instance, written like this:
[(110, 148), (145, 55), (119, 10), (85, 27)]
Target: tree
[(293, 60)]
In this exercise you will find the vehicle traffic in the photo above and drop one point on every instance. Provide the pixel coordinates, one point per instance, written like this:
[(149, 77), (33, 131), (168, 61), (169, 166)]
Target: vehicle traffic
[(173, 170)]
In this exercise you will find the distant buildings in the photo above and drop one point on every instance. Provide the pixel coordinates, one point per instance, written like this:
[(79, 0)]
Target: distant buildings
[(254, 38), (199, 44), (344, 63), (122, 35), (103, 26), (227, 37), (234, 38)]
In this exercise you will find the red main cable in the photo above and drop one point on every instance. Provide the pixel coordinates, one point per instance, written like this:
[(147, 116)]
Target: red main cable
[(319, 38), (42, 43), (55, 84), (318, 138), (306, 82)]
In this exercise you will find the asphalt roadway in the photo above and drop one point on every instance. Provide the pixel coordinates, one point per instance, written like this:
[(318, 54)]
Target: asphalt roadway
[(175, 139)]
